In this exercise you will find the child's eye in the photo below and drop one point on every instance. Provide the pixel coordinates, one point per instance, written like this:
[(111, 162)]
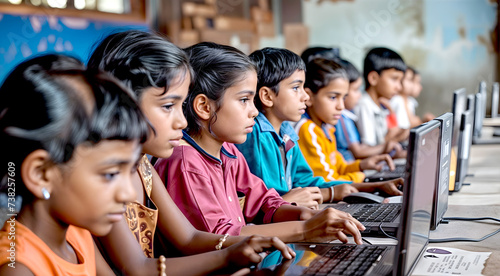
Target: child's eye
[(110, 176), (168, 107), (244, 100), (296, 88)]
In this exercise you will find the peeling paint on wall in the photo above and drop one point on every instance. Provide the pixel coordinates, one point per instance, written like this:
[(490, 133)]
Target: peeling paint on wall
[(449, 42)]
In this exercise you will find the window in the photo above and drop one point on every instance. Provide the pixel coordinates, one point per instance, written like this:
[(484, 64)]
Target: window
[(123, 10)]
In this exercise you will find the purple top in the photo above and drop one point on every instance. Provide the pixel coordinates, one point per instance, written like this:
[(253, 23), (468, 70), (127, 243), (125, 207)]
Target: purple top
[(205, 188)]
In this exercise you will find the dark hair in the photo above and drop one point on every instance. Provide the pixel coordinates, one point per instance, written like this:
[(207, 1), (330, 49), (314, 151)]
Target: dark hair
[(320, 72), (324, 52), (43, 106), (140, 60), (415, 72), (380, 59), (352, 72), (217, 68), (273, 66)]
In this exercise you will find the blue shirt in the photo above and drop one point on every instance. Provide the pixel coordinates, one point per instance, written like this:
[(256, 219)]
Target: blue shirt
[(263, 155), (346, 133)]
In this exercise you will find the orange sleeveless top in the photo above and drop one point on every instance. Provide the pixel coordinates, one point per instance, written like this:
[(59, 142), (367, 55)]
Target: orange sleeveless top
[(142, 219), (32, 252)]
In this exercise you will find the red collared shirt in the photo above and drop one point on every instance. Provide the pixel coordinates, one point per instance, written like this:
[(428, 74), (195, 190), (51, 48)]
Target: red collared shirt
[(206, 188)]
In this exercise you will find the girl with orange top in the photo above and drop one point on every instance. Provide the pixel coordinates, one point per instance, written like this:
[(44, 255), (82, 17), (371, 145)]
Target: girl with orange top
[(70, 140)]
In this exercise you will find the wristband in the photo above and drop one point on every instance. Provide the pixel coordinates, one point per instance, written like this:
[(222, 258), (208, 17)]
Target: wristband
[(161, 266), (331, 194), (221, 241)]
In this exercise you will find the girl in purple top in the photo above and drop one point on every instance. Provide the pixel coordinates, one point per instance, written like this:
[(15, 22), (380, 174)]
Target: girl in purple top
[(206, 173)]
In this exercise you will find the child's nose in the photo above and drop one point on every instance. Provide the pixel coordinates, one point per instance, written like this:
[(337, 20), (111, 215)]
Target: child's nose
[(341, 104), (254, 111), (126, 192), (305, 96), (181, 122)]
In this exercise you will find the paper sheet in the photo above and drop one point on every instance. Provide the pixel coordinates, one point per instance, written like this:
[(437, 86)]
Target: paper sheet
[(450, 261)]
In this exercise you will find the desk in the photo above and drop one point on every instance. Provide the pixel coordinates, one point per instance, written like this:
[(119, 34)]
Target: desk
[(484, 170), (480, 199), (473, 229)]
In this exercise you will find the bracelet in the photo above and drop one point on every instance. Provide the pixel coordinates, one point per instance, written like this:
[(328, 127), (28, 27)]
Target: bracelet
[(331, 194), (221, 241), (162, 266)]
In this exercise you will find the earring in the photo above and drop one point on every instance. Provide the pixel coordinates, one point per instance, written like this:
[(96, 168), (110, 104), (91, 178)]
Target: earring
[(45, 193)]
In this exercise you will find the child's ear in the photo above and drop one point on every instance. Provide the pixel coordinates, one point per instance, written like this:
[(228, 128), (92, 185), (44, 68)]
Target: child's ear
[(202, 107), (266, 96), (373, 77), (38, 173), (310, 94)]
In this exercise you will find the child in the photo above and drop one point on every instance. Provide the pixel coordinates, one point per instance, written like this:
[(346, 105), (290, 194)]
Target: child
[(205, 174), (399, 103), (346, 132), (275, 157), (383, 72), (412, 102), (159, 74), (69, 142), (324, 52), (270, 149), (327, 85)]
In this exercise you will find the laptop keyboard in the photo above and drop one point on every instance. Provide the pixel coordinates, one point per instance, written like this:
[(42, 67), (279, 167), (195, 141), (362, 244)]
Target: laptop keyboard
[(346, 260), (372, 212)]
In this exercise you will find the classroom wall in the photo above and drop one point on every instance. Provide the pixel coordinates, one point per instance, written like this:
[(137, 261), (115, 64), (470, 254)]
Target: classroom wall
[(449, 42), (22, 36)]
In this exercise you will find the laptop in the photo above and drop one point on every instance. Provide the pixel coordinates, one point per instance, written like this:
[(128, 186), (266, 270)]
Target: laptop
[(495, 91), (440, 202), (413, 235), (385, 218), (464, 145), (479, 115), (458, 107)]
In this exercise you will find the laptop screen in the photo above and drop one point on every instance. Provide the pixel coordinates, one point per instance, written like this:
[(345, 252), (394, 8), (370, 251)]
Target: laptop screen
[(414, 235), (464, 144), (441, 192)]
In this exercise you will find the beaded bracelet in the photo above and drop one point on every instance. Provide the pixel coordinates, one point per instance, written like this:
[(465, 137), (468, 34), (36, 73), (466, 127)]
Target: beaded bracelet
[(162, 266), (331, 193), (221, 241)]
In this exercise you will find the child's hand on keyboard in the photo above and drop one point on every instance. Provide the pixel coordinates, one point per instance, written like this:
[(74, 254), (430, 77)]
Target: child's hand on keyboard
[(390, 187), (377, 162), (248, 251), (331, 224)]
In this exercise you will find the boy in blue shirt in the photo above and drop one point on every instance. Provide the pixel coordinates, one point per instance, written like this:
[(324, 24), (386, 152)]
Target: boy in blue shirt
[(271, 149)]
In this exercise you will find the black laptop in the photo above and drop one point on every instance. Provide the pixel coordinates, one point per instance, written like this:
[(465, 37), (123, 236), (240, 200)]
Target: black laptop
[(380, 218), (413, 235), (441, 192)]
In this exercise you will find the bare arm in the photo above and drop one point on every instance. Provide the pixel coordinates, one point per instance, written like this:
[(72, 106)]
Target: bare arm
[(309, 197), (322, 226), (126, 254), (390, 187), (361, 151), (102, 267), (19, 270)]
